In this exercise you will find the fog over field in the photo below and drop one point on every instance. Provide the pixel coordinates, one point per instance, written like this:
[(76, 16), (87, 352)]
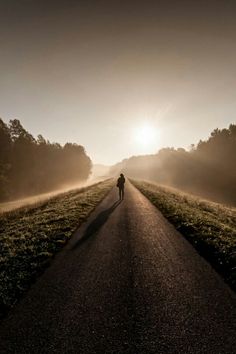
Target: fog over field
[(8, 206), (91, 84)]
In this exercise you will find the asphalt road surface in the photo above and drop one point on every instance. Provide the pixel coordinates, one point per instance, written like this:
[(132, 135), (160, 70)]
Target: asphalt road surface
[(127, 282)]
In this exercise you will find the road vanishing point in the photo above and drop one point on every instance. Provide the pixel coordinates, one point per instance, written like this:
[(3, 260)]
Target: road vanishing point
[(127, 282)]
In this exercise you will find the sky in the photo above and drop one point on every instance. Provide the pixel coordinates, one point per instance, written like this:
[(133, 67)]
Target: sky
[(121, 78)]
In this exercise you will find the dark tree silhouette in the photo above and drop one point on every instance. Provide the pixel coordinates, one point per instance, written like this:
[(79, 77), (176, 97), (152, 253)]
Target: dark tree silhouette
[(5, 153), (29, 166)]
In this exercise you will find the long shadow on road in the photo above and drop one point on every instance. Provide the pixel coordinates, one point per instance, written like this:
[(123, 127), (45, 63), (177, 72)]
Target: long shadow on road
[(96, 224)]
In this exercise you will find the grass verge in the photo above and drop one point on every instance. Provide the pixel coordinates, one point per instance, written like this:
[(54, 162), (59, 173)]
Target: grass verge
[(30, 236), (210, 227)]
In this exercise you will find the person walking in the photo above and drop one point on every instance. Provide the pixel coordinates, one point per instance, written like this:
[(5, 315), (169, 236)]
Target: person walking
[(121, 185)]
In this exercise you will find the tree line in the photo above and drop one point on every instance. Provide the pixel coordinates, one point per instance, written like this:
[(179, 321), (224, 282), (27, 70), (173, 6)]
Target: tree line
[(30, 166), (208, 169)]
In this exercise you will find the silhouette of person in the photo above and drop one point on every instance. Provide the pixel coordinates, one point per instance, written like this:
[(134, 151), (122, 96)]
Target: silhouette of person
[(121, 186)]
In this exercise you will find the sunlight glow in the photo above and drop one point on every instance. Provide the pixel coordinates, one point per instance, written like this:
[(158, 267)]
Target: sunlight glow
[(146, 138), (145, 135)]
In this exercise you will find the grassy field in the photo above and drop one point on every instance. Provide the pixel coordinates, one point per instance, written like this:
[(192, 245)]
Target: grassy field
[(30, 236), (210, 227)]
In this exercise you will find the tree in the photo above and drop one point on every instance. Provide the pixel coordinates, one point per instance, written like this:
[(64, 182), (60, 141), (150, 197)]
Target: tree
[(5, 143), (29, 166)]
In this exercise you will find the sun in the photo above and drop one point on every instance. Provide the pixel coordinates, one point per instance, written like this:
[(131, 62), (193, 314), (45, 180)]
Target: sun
[(146, 138), (145, 135)]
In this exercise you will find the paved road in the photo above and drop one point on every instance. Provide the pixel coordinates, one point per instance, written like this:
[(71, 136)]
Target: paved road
[(126, 283)]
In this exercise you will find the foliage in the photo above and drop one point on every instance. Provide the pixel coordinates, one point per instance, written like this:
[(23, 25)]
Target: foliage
[(210, 227), (29, 166), (30, 236), (208, 169)]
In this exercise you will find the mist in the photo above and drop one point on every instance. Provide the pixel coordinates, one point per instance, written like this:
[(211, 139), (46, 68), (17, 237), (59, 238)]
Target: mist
[(79, 79), (92, 71), (208, 169), (32, 166), (40, 198)]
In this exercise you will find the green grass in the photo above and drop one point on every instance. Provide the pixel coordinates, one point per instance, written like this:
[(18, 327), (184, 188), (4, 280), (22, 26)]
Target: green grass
[(210, 227), (30, 236)]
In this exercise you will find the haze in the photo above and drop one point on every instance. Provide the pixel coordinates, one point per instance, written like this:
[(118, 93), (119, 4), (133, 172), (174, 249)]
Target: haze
[(100, 72)]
